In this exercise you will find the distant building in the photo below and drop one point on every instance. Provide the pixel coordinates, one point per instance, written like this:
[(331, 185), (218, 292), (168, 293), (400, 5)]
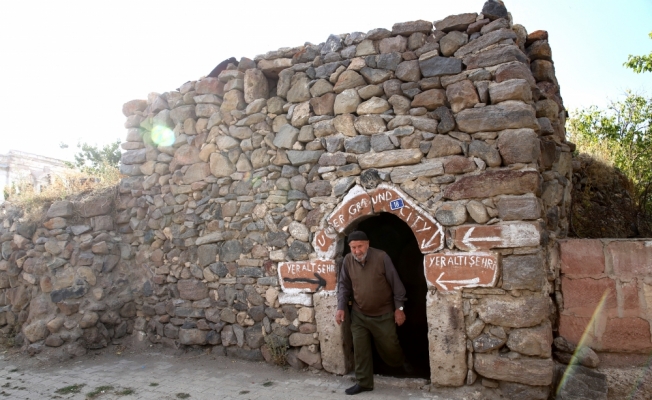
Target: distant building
[(17, 165)]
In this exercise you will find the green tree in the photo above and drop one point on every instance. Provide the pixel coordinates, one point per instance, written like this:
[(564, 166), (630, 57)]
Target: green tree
[(622, 136), (94, 159), (640, 63)]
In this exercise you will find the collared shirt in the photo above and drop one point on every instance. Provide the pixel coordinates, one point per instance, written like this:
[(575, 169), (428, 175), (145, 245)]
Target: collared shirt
[(374, 284)]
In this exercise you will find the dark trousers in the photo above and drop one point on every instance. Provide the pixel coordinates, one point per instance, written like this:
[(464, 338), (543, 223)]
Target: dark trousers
[(383, 331)]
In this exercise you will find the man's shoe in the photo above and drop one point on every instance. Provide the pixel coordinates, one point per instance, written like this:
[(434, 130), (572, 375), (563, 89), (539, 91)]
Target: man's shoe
[(355, 389)]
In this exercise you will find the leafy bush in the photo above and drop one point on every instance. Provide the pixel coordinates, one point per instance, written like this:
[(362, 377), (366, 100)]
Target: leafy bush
[(640, 63), (95, 160), (621, 136)]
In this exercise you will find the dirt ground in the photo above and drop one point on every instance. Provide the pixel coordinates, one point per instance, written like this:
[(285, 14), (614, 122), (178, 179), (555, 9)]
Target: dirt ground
[(633, 383), (157, 372), (200, 374)]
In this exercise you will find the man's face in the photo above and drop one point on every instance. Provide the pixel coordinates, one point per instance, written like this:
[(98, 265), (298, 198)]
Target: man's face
[(359, 249)]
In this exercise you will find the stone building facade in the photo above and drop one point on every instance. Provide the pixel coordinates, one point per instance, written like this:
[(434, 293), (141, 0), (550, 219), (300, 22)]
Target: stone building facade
[(18, 165), (444, 141)]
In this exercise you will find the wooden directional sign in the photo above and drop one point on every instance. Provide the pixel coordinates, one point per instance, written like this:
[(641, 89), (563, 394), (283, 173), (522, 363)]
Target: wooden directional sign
[(453, 271), (325, 244), (307, 276), (356, 204), (485, 237)]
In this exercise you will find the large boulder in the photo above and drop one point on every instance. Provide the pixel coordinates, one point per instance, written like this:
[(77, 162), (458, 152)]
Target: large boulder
[(525, 370), (493, 183), (508, 311), (62, 209), (255, 85), (192, 336), (192, 289), (36, 331), (506, 115)]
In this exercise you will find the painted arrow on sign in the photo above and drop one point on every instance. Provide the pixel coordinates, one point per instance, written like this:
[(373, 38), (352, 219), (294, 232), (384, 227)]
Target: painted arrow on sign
[(450, 271), (307, 276), (459, 283), (320, 282), (485, 237), (468, 239)]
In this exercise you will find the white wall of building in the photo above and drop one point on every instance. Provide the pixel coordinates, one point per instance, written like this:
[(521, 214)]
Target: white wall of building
[(17, 165)]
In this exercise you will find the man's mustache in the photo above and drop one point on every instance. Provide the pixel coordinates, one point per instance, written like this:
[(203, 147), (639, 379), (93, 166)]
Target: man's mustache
[(361, 258)]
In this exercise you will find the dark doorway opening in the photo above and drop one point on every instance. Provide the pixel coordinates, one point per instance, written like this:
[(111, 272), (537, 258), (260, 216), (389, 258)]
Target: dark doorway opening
[(392, 235)]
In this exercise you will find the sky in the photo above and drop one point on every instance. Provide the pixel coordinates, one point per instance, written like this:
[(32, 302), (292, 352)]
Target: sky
[(67, 67)]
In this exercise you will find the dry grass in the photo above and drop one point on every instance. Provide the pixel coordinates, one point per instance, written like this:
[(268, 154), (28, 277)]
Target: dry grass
[(277, 348), (602, 175), (71, 184)]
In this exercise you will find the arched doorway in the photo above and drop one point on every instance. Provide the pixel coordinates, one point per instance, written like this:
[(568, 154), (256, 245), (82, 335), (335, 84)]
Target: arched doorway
[(444, 342), (392, 235)]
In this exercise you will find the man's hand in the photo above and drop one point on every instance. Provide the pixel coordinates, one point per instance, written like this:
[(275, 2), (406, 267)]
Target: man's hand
[(399, 317), (339, 317)]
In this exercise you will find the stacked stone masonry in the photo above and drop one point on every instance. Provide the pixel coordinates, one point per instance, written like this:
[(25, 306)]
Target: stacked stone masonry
[(229, 177)]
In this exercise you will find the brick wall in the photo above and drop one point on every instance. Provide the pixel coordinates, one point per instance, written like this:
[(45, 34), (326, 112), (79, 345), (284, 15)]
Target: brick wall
[(620, 270)]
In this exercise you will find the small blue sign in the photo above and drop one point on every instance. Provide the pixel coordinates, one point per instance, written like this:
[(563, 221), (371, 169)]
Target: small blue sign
[(396, 204)]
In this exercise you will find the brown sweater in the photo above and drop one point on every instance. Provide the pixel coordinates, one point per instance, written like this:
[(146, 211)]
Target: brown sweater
[(375, 285)]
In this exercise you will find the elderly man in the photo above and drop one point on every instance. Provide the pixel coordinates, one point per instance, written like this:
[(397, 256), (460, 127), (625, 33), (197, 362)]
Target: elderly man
[(369, 277)]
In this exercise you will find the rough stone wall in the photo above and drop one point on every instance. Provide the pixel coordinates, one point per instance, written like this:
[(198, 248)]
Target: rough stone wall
[(69, 283), (229, 176), (607, 294)]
